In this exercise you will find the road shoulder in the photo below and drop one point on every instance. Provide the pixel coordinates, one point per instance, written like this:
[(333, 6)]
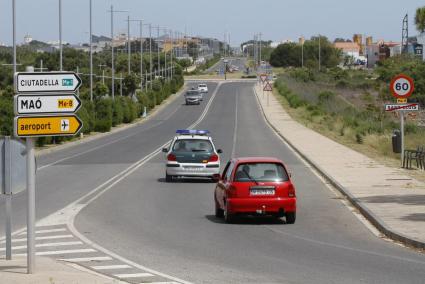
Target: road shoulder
[(389, 199)]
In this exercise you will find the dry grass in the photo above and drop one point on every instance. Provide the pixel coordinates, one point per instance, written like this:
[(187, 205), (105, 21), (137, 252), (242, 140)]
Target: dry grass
[(377, 147)]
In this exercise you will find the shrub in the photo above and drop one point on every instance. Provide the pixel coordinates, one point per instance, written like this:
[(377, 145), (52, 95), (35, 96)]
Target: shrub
[(117, 113), (103, 115), (6, 116)]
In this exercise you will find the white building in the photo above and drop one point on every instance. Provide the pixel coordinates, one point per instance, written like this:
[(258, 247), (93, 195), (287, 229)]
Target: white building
[(27, 39), (421, 40)]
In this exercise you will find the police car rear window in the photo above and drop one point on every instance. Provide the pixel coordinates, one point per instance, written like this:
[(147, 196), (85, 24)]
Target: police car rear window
[(192, 145)]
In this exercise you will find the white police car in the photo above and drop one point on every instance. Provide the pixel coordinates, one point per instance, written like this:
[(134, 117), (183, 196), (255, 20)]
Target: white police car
[(192, 154)]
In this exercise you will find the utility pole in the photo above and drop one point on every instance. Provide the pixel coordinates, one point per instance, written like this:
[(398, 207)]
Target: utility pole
[(91, 53), (14, 36), (128, 44), (158, 69), (60, 36), (260, 46), (112, 50), (150, 55), (103, 73), (320, 55)]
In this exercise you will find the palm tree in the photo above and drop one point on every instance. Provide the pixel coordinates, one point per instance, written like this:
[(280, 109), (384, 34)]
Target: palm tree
[(420, 19)]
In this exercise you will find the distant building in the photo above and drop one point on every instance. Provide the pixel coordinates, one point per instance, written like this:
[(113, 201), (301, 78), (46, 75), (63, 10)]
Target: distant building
[(419, 45), (351, 49), (27, 39)]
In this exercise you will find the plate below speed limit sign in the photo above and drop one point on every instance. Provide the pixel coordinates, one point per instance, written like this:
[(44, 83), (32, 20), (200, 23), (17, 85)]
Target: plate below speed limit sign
[(402, 86)]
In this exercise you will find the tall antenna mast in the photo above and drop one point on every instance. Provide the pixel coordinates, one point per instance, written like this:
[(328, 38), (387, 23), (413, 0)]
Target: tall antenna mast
[(405, 34)]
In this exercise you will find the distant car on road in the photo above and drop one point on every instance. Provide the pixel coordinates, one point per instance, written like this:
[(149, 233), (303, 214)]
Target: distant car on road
[(193, 96), (203, 88), (192, 154), (255, 186)]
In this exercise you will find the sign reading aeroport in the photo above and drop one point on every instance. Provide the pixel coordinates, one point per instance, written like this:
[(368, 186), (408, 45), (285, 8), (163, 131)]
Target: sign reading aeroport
[(47, 125), (47, 82)]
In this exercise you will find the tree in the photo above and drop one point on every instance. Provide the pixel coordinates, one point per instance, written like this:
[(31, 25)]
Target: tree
[(130, 83), (420, 19)]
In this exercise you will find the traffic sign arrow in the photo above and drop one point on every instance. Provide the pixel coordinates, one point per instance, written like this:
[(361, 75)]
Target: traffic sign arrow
[(66, 125), (46, 104), (46, 82)]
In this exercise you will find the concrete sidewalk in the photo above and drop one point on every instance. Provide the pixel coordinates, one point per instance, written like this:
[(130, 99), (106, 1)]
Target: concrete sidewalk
[(49, 271), (387, 197)]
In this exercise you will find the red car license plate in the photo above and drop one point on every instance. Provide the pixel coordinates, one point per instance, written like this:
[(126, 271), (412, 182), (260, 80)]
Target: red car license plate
[(262, 191)]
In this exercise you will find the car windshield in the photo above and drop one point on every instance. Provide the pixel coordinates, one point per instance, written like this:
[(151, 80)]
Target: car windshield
[(202, 86), (260, 172), (192, 145), (192, 93)]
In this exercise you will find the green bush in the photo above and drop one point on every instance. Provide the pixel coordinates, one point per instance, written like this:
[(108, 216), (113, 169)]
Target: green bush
[(6, 116), (103, 115), (117, 112)]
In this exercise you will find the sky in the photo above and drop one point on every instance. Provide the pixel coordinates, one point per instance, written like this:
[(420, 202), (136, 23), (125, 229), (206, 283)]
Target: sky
[(276, 19)]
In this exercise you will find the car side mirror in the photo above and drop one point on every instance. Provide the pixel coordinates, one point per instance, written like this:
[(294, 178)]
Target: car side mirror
[(290, 174), (165, 150), (219, 151)]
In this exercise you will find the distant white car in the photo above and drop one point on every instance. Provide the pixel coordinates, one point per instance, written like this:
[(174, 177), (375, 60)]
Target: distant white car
[(203, 88)]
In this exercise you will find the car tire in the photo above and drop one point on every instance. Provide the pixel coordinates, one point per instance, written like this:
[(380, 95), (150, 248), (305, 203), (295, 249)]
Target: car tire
[(290, 217), (219, 213), (228, 217), (168, 178)]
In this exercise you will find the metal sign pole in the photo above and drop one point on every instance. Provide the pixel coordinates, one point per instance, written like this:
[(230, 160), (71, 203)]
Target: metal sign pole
[(402, 135), (31, 206), (8, 193)]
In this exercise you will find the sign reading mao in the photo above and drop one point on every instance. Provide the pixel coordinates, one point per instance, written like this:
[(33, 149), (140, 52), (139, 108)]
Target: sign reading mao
[(66, 125), (45, 82), (46, 104)]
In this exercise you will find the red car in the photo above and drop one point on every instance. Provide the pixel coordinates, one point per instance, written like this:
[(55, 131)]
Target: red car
[(255, 186)]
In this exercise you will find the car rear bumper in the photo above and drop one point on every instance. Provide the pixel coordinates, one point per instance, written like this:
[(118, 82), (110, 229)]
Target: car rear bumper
[(193, 170), (261, 205), (193, 101)]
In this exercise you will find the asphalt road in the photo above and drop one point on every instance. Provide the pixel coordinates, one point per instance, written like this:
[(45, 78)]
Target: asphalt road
[(170, 227), (64, 176)]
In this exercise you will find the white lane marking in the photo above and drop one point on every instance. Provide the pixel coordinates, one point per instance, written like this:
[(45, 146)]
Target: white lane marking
[(163, 283), (134, 275), (46, 231), (86, 259), (107, 267), (97, 147), (61, 244), (41, 238), (236, 125), (56, 252)]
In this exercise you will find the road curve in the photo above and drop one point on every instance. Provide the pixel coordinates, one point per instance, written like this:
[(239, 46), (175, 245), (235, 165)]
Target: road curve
[(170, 227)]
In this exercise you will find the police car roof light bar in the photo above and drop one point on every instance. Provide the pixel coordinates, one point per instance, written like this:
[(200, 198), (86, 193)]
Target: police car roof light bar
[(192, 132)]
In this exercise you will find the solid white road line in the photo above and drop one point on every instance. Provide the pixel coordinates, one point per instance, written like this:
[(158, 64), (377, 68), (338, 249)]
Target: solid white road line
[(134, 275), (163, 283), (56, 252), (107, 267), (47, 245), (87, 259), (46, 231), (41, 238)]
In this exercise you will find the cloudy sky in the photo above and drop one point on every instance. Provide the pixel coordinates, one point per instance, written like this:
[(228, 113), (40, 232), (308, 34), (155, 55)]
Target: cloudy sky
[(276, 19)]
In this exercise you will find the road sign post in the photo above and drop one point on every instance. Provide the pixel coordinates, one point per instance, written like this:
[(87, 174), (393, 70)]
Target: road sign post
[(40, 94), (402, 87), (268, 88)]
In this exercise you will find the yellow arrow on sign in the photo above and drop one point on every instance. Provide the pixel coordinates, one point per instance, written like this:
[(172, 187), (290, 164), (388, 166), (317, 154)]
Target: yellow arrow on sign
[(65, 125)]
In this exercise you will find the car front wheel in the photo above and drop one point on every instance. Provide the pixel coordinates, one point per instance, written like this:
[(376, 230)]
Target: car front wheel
[(290, 217)]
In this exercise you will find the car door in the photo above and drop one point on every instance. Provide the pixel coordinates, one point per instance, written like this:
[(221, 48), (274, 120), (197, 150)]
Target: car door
[(223, 184)]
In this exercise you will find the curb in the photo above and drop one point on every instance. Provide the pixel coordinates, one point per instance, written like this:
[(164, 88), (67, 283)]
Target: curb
[(366, 212), (117, 129)]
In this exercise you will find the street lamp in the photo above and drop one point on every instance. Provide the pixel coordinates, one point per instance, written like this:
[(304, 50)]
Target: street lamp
[(91, 54), (112, 48), (141, 51)]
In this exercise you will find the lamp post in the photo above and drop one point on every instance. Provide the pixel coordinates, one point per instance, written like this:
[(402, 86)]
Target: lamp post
[(112, 49), (60, 36), (141, 50), (91, 53)]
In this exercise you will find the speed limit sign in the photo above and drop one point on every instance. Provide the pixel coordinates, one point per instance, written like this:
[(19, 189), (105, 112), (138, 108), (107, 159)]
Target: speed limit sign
[(402, 86)]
